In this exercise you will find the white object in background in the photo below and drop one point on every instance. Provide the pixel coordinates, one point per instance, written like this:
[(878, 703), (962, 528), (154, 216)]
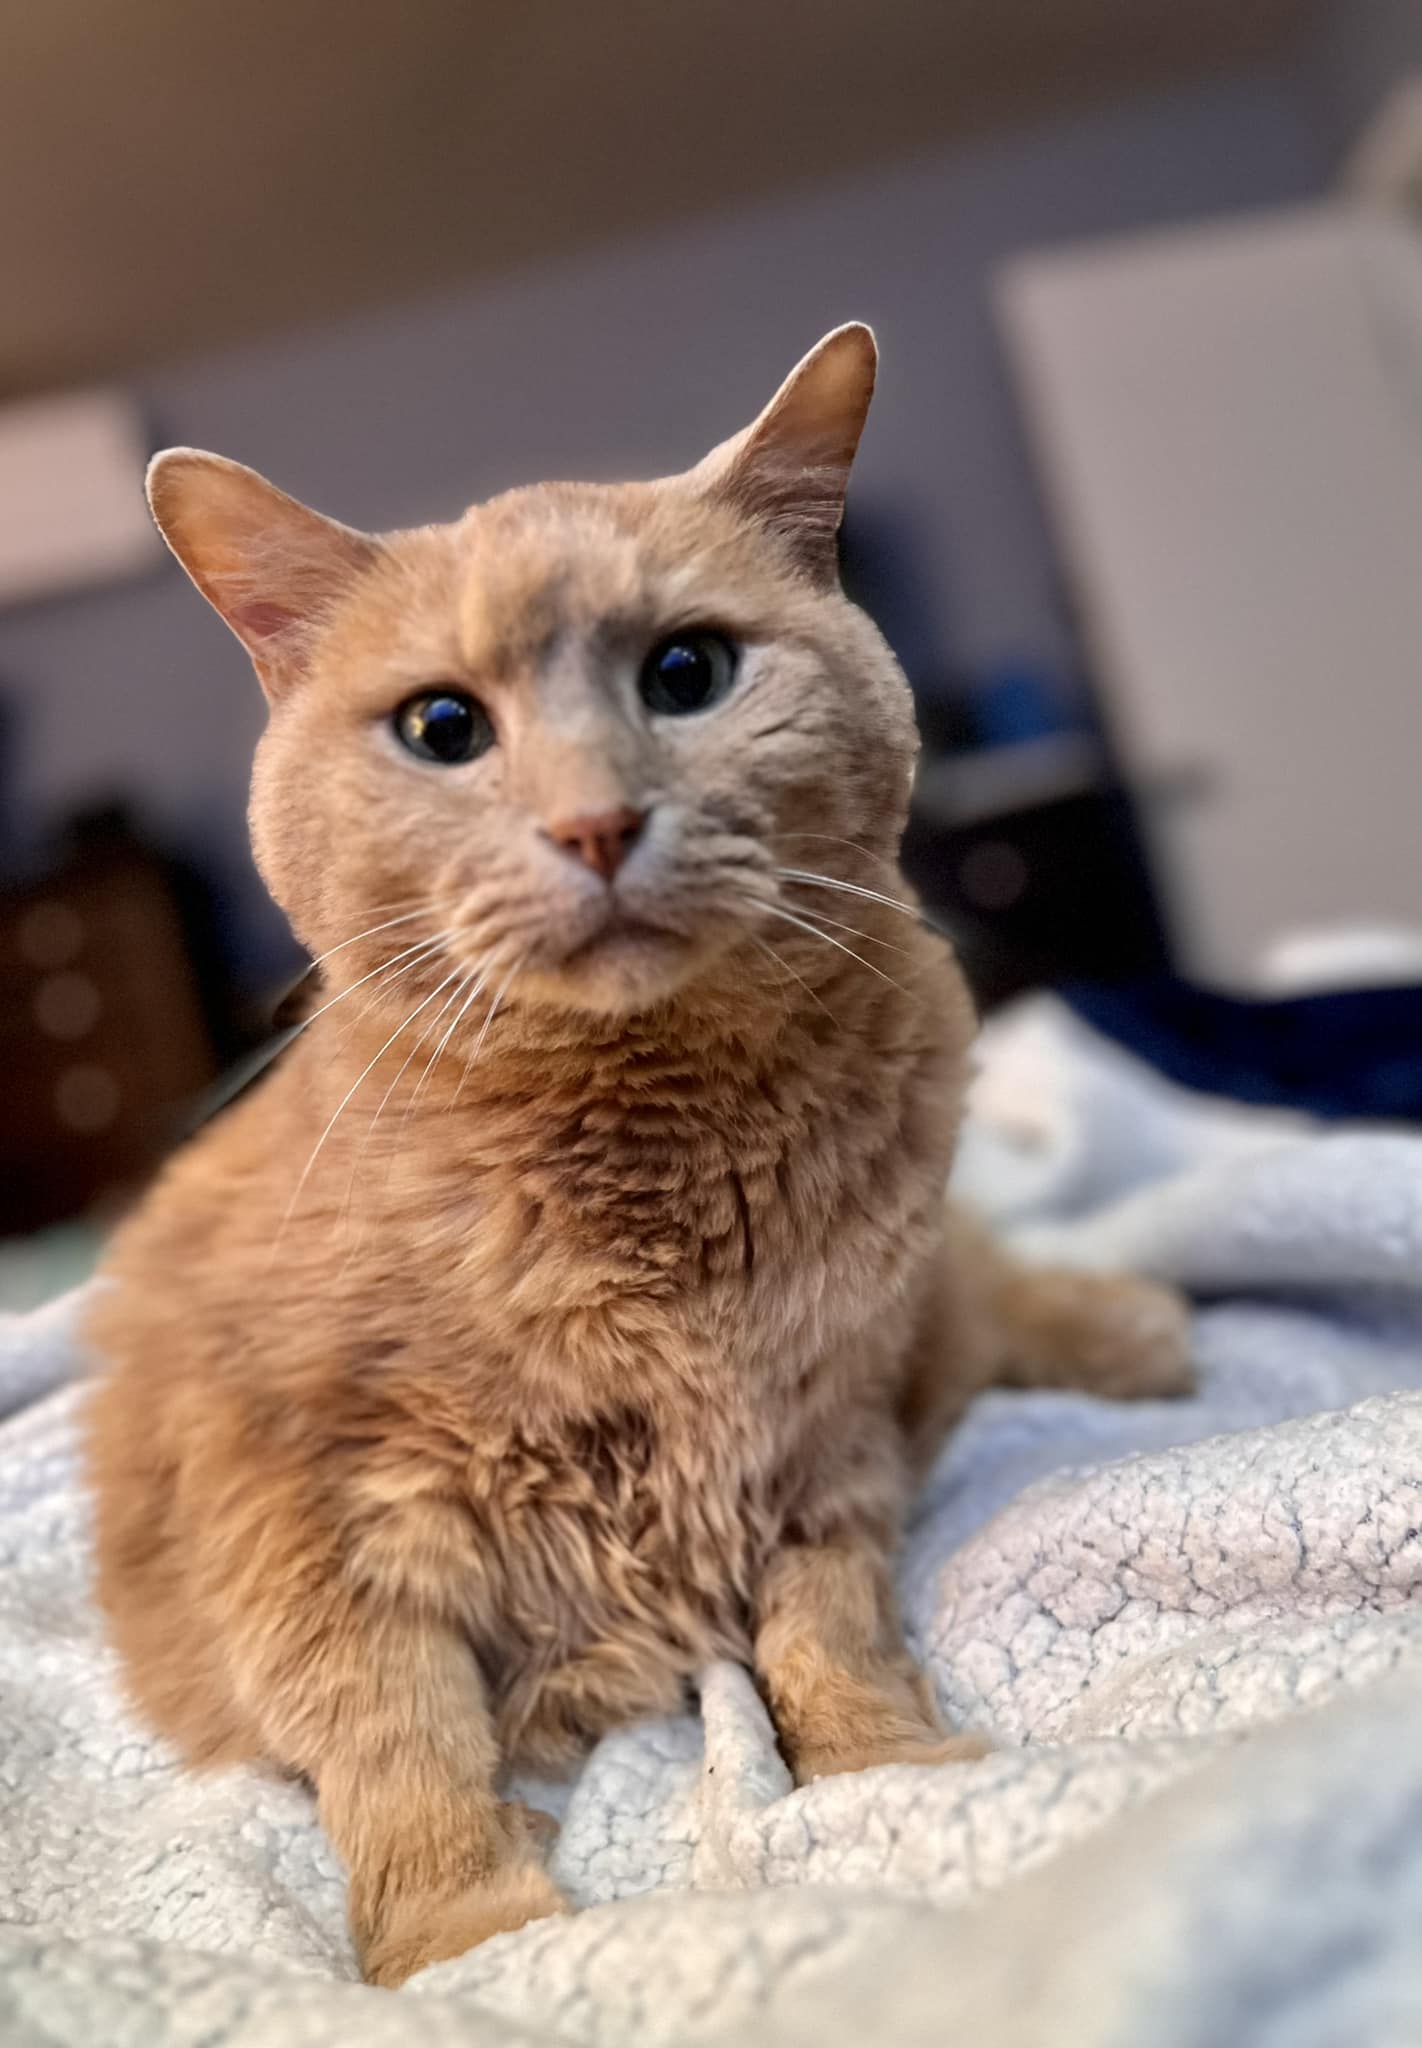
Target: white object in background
[(72, 510), (1229, 426), (1386, 162), (1347, 956)]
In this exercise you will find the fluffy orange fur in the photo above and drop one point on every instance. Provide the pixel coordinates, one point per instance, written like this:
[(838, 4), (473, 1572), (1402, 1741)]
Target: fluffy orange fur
[(576, 1300)]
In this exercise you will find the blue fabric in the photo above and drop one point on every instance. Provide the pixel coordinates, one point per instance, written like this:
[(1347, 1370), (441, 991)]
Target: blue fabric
[(1347, 1054)]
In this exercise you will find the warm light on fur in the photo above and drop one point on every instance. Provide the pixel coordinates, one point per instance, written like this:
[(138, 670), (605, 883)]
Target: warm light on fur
[(575, 1302)]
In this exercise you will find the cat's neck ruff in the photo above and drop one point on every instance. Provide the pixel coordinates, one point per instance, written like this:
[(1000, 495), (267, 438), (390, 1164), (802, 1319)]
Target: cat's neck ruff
[(741, 1025)]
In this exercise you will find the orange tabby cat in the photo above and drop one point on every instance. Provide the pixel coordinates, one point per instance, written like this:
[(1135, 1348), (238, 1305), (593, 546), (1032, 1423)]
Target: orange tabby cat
[(576, 1301)]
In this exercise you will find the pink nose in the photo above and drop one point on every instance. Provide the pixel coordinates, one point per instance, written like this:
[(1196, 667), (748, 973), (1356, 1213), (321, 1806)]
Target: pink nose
[(601, 840)]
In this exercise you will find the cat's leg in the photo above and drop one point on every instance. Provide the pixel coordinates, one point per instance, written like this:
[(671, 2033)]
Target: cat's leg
[(261, 1615), (1051, 1326), (830, 1654), (437, 1861), (1105, 1333), (989, 1319), (384, 1711)]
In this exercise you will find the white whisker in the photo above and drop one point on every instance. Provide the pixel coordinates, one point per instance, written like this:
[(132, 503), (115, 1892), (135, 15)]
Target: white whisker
[(391, 974), (499, 994), (421, 946), (804, 925), (782, 962), (461, 981), (817, 881), (368, 933), (480, 985), (340, 1106), (872, 938), (483, 976), (459, 977), (837, 839)]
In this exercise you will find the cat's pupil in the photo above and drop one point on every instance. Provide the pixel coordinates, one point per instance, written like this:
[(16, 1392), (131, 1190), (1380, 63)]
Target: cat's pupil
[(684, 676), (447, 726), (687, 673)]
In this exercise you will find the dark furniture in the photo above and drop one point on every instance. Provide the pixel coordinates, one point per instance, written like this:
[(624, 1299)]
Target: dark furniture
[(104, 1035)]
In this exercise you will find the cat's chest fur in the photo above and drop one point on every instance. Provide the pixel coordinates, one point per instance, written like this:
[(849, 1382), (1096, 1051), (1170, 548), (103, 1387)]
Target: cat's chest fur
[(629, 1318), (669, 1226)]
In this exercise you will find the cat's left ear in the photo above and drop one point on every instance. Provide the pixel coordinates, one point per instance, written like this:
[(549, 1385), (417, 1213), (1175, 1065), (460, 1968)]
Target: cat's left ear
[(790, 467), (269, 565)]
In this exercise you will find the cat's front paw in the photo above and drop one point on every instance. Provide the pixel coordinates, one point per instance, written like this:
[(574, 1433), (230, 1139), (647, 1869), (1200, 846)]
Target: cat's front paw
[(926, 1749), (426, 1928)]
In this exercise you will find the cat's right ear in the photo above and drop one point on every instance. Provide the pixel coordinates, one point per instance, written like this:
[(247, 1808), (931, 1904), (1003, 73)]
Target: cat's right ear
[(790, 467), (269, 565)]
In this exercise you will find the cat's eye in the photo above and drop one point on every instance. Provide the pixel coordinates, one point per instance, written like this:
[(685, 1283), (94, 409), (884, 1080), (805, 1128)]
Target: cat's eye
[(447, 726), (689, 672)]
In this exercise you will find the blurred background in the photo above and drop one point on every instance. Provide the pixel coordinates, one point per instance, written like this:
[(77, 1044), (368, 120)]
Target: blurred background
[(1139, 507)]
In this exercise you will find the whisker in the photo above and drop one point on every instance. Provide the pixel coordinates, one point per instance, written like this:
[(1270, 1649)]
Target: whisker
[(499, 994), (837, 839), (781, 961), (340, 1106), (430, 1063), (872, 938), (421, 947), (818, 881), (390, 975), (461, 981), (777, 910), (368, 933), (459, 977), (480, 985), (351, 1025)]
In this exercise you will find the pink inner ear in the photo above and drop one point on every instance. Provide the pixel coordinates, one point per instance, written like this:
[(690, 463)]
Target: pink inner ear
[(260, 621)]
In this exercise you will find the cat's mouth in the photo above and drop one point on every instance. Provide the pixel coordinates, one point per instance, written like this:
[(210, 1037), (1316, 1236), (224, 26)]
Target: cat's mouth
[(621, 932), (626, 960)]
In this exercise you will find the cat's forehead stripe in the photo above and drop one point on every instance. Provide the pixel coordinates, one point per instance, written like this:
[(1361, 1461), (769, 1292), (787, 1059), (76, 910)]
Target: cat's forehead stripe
[(531, 574)]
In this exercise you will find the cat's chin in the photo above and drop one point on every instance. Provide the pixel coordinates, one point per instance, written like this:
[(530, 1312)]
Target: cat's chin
[(627, 968)]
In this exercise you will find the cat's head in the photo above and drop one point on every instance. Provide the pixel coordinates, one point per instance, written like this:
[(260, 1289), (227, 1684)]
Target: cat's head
[(576, 737)]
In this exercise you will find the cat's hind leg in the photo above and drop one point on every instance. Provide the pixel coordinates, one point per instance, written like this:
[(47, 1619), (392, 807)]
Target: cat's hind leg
[(989, 1319), (1104, 1333), (1054, 1326)]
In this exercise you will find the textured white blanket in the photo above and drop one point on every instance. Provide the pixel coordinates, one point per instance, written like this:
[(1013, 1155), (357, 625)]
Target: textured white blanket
[(1194, 1629)]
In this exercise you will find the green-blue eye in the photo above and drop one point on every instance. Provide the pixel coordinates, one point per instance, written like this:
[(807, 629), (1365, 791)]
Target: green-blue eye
[(445, 726), (687, 673)]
